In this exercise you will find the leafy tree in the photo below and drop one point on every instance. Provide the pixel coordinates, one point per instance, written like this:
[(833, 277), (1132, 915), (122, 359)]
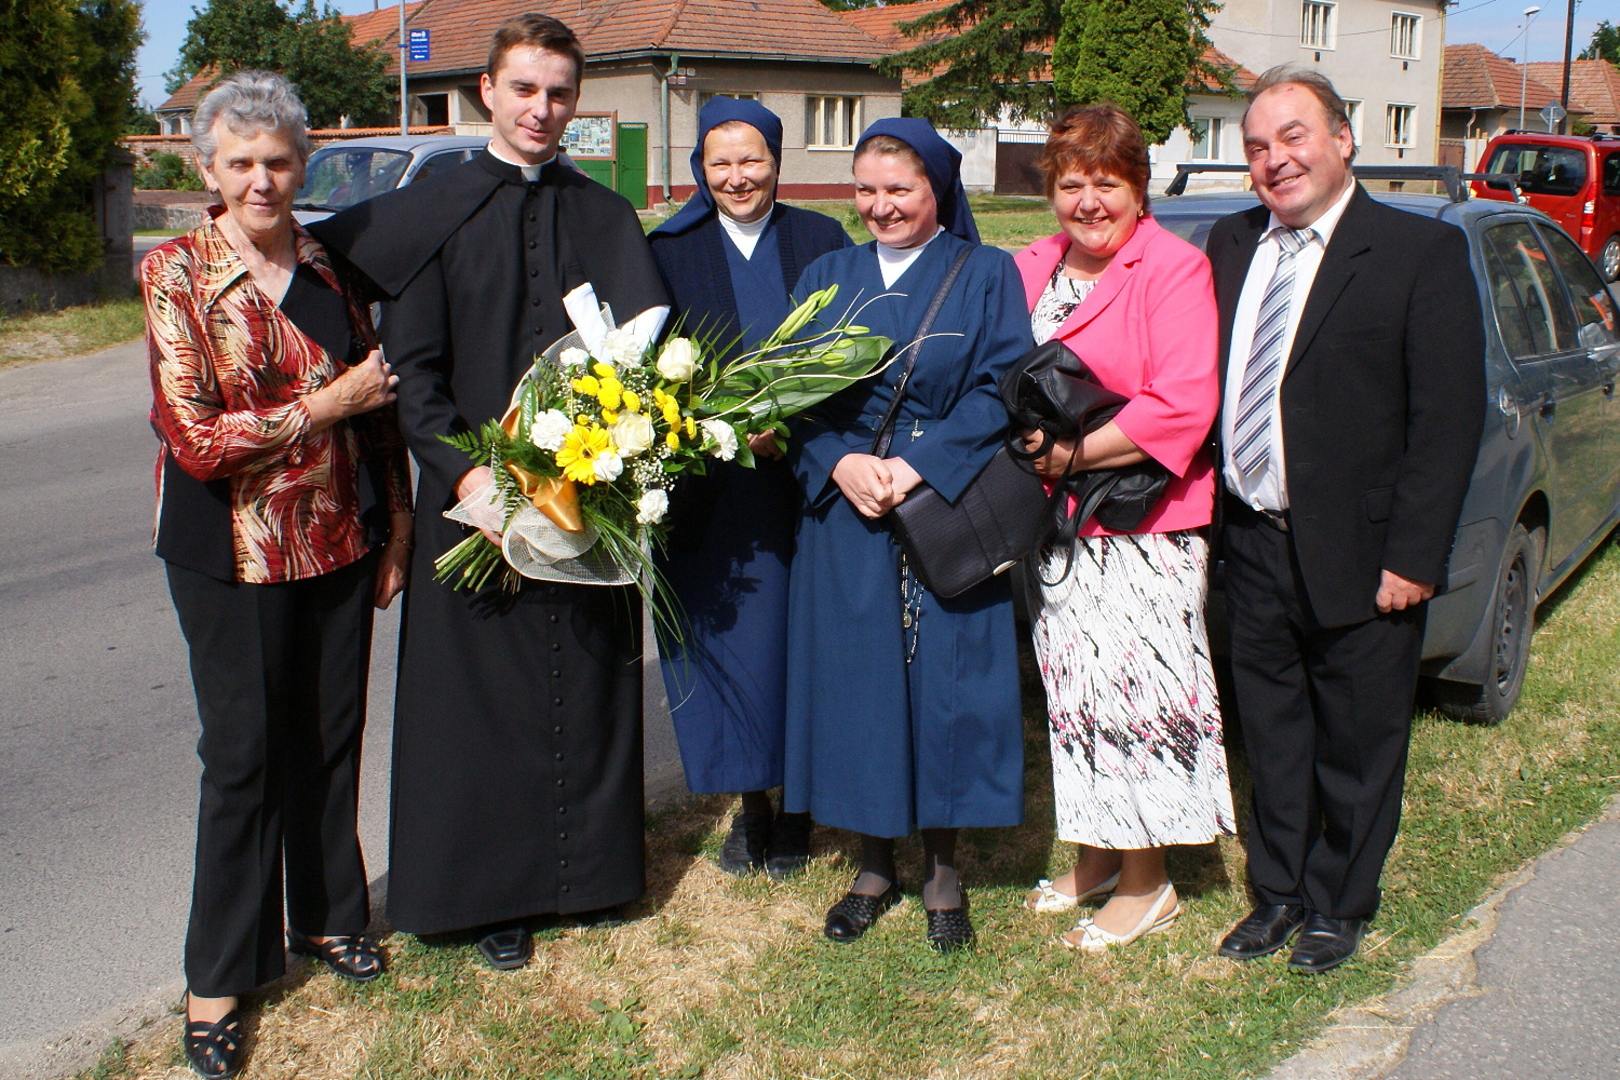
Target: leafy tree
[(67, 75), (1139, 54), (315, 49), (1605, 44), (850, 5), (979, 57)]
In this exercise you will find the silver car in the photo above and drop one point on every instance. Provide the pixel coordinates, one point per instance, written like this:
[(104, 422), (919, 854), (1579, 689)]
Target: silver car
[(342, 174)]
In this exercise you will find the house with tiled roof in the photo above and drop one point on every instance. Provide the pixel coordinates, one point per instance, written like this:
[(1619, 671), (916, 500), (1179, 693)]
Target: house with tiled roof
[(1481, 95), (1594, 90)]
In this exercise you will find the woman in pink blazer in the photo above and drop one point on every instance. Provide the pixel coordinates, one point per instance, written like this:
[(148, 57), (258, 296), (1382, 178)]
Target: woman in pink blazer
[(1137, 759)]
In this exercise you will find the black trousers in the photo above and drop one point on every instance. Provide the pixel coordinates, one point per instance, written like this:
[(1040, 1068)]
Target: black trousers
[(1326, 714), (280, 676)]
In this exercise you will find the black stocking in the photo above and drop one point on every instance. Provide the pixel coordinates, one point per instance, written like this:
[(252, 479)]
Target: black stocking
[(943, 887), (756, 802), (877, 866)]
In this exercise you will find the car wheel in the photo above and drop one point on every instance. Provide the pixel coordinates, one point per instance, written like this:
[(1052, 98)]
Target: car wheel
[(1608, 259), (1513, 619)]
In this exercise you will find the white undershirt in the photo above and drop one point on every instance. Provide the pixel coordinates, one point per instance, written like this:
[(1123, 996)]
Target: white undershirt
[(745, 234), (893, 261), (531, 173), (1266, 488)]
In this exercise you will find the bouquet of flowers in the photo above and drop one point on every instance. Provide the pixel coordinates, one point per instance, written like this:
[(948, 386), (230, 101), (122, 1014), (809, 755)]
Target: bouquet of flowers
[(586, 456)]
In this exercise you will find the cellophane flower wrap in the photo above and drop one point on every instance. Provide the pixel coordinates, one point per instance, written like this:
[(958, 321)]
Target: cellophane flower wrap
[(587, 458)]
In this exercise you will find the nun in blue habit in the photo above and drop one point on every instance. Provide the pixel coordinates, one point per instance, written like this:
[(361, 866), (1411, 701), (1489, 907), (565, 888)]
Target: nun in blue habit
[(731, 258), (903, 708)]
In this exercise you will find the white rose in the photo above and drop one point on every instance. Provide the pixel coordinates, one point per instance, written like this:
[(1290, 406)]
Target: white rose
[(653, 506), (573, 357), (608, 466), (725, 438), (550, 429), (619, 349), (632, 433), (678, 360)]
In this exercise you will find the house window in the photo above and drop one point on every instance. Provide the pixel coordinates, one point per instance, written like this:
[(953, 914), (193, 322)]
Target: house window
[(1316, 24), (1399, 124), (1352, 109), (1205, 137), (831, 123), (430, 109), (1404, 35)]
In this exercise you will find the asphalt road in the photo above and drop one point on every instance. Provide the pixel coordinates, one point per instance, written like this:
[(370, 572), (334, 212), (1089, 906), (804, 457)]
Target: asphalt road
[(98, 770)]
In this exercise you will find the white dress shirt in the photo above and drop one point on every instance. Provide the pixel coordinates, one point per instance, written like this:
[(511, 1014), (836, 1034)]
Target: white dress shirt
[(893, 261), (1266, 488)]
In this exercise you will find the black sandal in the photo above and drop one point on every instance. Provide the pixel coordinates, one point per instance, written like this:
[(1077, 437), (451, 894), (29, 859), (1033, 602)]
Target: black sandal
[(353, 956), (214, 1047), (950, 929), (854, 915)]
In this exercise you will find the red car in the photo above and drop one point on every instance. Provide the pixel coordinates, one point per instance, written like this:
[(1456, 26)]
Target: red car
[(1572, 179)]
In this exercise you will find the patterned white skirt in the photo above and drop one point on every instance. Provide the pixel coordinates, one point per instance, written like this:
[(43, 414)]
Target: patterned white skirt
[(1137, 756)]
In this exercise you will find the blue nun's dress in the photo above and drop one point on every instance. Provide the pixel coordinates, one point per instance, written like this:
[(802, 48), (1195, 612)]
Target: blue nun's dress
[(876, 744), (731, 536)]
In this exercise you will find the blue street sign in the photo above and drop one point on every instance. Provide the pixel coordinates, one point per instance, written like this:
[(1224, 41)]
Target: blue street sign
[(420, 49)]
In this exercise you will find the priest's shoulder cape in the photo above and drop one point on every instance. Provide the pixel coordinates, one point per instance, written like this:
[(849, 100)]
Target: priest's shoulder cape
[(391, 238)]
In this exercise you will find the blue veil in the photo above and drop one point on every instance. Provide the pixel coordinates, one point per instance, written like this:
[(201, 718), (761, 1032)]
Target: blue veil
[(943, 164), (722, 110)]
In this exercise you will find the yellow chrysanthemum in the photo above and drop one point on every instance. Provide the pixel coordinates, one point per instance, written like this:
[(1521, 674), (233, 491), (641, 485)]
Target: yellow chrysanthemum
[(610, 392), (609, 416), (691, 428), (604, 371), (586, 384), (580, 450), (632, 401), (673, 440)]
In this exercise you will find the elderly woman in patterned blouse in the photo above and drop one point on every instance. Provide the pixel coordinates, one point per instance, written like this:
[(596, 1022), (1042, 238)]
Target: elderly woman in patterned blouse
[(1137, 760), (283, 516)]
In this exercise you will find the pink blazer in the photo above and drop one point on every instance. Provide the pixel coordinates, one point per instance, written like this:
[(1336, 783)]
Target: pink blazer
[(1149, 331)]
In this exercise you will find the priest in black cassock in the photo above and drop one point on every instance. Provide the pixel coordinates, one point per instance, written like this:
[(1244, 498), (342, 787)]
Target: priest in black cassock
[(517, 774)]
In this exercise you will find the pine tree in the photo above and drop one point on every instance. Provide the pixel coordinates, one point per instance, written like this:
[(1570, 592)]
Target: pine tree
[(1142, 55), (1605, 44)]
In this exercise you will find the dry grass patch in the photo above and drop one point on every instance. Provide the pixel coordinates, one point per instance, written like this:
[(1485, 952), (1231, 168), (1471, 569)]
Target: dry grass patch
[(75, 331)]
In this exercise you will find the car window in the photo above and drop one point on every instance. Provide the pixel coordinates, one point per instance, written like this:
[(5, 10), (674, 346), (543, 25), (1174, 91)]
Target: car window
[(1535, 284), (1517, 336), (339, 177), (1542, 170), (1594, 306), (1611, 174), (439, 162)]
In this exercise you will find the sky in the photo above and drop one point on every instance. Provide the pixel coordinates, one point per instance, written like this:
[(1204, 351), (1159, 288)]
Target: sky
[(1495, 24)]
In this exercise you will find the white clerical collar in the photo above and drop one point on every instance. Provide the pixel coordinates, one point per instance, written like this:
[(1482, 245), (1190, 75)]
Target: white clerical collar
[(893, 261), (1323, 226), (745, 234), (531, 173)]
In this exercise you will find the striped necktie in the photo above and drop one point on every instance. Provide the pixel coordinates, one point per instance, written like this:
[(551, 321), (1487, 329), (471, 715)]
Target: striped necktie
[(1251, 432)]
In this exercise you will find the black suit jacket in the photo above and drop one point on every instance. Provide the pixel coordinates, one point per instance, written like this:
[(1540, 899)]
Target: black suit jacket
[(1383, 398)]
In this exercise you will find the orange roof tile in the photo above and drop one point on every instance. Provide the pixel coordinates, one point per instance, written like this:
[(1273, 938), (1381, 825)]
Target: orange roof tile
[(1474, 77), (1594, 87), (192, 92)]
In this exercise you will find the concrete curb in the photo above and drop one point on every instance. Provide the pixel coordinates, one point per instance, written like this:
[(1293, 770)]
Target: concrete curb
[(1368, 1041)]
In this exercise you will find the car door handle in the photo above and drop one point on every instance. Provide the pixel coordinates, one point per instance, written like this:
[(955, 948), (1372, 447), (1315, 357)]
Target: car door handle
[(1608, 388), (1548, 405)]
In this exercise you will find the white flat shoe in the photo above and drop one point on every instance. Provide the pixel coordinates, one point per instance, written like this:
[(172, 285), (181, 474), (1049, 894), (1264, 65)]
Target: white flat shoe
[(1046, 897), (1094, 939)]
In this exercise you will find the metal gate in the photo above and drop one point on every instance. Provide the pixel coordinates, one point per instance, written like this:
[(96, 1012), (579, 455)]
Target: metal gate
[(1018, 170)]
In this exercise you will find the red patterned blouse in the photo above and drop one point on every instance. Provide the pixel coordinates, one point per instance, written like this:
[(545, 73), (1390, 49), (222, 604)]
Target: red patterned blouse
[(229, 372)]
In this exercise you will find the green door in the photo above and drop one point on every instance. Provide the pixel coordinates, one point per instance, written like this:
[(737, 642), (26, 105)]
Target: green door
[(632, 170), (597, 169)]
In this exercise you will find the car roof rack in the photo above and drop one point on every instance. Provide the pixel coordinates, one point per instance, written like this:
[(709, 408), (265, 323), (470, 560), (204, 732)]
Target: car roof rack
[(1448, 175)]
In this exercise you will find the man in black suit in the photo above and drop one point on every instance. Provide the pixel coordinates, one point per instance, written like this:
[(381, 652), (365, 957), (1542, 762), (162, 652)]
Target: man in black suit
[(1353, 401)]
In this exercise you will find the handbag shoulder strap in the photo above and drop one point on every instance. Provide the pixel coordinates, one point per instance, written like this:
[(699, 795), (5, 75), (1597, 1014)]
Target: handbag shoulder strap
[(885, 431)]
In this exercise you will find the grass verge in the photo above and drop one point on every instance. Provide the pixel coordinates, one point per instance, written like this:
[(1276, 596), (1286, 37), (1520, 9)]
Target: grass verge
[(1007, 221), (72, 331), (725, 978)]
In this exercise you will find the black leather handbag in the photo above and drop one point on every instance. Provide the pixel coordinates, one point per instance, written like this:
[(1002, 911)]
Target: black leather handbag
[(996, 521), (1052, 392)]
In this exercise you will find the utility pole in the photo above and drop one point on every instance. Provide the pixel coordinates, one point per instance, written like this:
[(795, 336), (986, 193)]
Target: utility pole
[(404, 57), (1569, 46)]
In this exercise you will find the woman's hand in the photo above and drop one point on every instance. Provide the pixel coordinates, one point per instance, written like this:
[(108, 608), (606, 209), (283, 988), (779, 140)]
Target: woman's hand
[(764, 445), (867, 484), (395, 557), (1059, 456), (368, 385), (902, 479)]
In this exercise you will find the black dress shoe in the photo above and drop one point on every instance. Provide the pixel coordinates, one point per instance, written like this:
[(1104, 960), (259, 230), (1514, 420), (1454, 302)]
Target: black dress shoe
[(507, 948), (788, 851), (1262, 931), (1325, 943), (744, 849), (949, 928), (214, 1048), (855, 913)]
